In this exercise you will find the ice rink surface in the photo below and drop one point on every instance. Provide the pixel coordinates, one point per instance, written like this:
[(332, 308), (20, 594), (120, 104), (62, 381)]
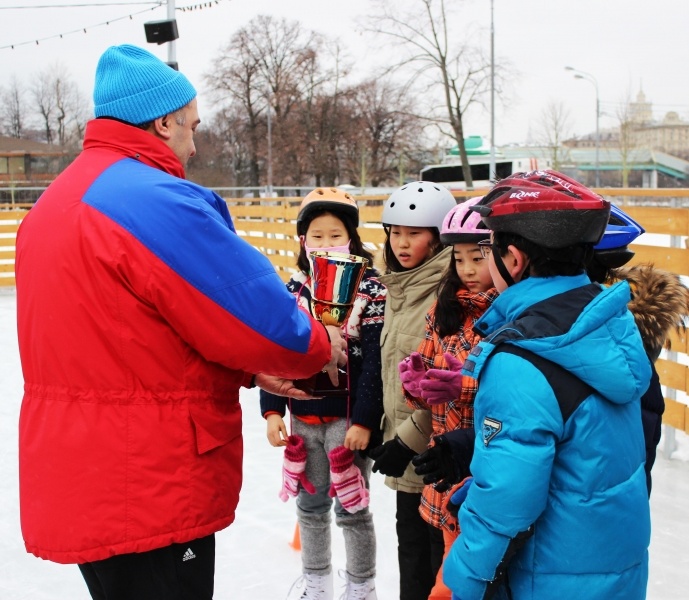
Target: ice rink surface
[(254, 559)]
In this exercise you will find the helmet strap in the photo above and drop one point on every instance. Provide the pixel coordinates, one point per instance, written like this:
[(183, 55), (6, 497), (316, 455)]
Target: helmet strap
[(502, 269)]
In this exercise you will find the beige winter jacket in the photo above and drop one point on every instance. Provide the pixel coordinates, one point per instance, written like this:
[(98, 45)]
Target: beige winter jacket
[(410, 296)]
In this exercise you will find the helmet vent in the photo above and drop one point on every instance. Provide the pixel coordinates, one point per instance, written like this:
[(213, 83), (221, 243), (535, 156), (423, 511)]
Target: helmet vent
[(418, 204)]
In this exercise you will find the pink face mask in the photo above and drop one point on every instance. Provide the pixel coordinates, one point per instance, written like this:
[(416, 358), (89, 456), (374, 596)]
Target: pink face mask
[(344, 249)]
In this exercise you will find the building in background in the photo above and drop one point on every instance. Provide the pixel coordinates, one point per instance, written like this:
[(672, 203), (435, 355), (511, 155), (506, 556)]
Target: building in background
[(24, 160)]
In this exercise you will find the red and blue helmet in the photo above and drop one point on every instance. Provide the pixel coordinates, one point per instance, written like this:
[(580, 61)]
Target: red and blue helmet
[(546, 208)]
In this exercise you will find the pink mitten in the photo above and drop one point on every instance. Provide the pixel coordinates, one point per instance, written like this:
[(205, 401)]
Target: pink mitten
[(293, 467), (347, 481), (441, 385), (412, 371)]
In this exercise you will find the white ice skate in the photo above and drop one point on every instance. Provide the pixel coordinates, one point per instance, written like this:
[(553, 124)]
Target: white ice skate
[(316, 587), (358, 591)]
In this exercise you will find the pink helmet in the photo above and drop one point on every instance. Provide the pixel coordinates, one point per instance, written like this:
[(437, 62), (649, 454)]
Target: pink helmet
[(463, 226)]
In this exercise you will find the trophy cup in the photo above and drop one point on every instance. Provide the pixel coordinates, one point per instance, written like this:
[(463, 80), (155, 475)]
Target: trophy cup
[(335, 278)]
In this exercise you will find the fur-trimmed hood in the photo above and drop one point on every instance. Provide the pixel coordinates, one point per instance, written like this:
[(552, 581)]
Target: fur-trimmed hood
[(660, 303)]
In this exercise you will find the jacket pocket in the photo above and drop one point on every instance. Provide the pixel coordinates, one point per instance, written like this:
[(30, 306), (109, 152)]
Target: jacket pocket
[(214, 424), (406, 344)]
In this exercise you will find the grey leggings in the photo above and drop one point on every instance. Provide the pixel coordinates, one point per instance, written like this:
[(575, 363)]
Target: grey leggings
[(313, 510)]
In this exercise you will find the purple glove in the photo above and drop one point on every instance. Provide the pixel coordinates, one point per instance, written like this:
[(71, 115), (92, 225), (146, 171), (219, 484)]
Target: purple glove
[(412, 372), (441, 385)]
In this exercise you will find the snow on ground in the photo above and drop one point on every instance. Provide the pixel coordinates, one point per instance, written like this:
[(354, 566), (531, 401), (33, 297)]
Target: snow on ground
[(254, 559)]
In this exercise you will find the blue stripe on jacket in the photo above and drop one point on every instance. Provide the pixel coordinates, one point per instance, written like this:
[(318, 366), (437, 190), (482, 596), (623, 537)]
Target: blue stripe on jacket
[(217, 263)]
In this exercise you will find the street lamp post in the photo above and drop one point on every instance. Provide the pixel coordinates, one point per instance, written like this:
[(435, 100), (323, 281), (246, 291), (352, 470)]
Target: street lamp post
[(591, 79), (269, 170), (491, 172), (171, 46)]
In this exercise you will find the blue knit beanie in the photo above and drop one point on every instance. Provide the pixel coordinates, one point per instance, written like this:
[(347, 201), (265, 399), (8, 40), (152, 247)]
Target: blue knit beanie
[(134, 86)]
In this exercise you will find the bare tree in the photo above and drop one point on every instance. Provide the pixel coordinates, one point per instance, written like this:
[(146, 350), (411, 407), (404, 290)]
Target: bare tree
[(13, 112), (44, 100), (554, 127), (460, 72), (626, 137), (235, 82), (223, 157), (60, 105), (286, 54), (291, 60), (266, 66), (387, 131), (324, 117), (320, 128)]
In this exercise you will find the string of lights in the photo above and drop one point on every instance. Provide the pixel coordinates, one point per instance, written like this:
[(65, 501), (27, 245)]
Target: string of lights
[(81, 5), (189, 8)]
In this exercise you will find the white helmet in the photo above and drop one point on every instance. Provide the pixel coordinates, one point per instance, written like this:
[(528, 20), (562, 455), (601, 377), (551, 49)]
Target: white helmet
[(418, 204)]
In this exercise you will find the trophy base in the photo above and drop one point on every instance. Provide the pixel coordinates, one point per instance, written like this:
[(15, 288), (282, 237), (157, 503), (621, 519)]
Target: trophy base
[(319, 385)]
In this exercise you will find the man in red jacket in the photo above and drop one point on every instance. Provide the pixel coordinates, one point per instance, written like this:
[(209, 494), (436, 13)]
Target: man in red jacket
[(140, 315)]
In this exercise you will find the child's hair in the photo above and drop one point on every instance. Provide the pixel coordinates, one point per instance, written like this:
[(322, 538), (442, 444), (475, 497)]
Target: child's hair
[(598, 272), (394, 265), (356, 245), (460, 226), (545, 262), (449, 311)]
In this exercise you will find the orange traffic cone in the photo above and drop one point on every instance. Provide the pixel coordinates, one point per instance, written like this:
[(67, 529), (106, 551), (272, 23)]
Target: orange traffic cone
[(296, 540)]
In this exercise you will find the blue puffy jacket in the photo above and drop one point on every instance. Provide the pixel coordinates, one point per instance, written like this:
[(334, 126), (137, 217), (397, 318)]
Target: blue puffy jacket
[(559, 507)]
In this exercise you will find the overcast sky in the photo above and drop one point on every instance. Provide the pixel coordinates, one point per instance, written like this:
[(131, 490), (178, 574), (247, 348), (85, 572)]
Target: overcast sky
[(627, 45)]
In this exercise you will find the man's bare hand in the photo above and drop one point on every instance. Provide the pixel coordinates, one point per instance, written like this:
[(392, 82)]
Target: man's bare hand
[(338, 354), (281, 387)]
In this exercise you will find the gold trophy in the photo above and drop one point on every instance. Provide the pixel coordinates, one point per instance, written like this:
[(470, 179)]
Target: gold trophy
[(335, 279)]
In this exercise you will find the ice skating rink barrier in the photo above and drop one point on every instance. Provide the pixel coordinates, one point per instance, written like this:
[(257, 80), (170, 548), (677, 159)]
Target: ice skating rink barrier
[(269, 224)]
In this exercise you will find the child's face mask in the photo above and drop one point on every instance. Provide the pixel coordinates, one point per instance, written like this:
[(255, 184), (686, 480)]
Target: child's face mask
[(344, 249)]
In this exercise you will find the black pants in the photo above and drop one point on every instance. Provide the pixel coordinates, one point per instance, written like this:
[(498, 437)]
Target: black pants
[(177, 572), (420, 549)]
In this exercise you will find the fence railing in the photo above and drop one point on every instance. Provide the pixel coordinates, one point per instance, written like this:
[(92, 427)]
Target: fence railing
[(269, 224)]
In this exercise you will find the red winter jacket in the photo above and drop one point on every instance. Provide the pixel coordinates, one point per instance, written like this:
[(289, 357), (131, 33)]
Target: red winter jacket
[(140, 314)]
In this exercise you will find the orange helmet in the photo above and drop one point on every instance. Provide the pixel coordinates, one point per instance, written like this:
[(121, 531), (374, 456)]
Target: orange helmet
[(326, 199)]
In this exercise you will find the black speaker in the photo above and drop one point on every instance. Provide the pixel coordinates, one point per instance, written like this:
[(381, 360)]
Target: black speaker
[(159, 32)]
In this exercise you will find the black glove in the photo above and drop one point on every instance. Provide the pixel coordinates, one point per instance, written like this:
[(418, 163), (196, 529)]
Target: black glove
[(437, 465), (392, 457), (462, 443)]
